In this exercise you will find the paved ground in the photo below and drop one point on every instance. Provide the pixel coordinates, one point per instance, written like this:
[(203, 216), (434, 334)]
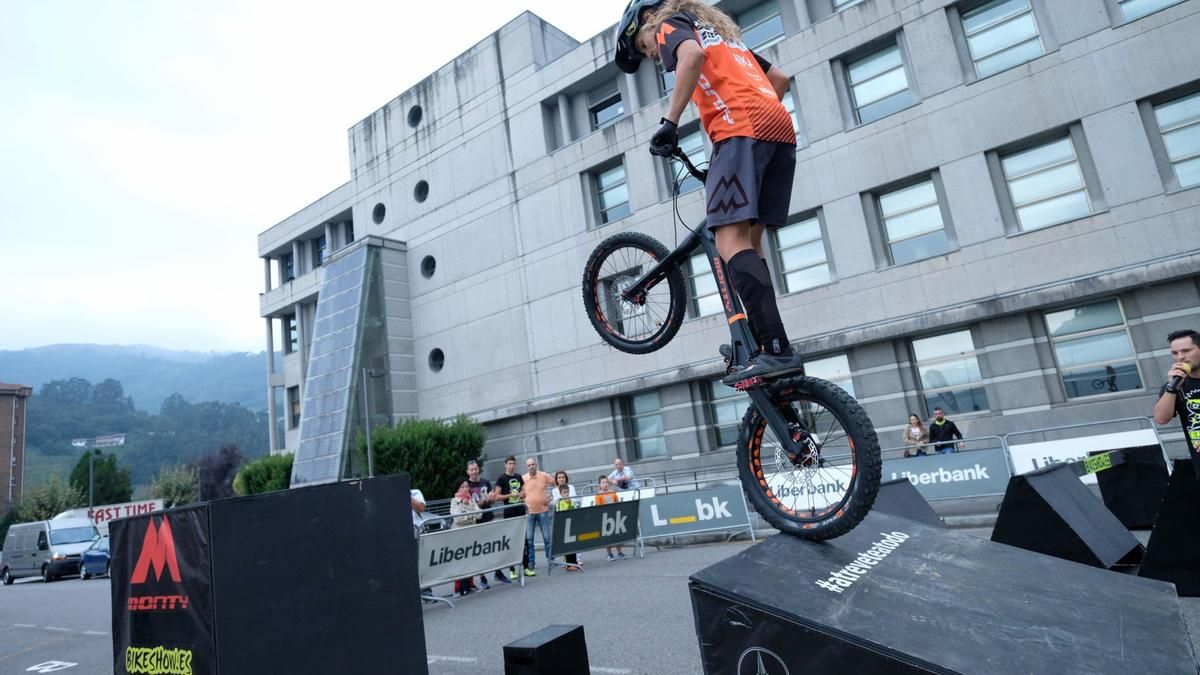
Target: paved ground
[(636, 613)]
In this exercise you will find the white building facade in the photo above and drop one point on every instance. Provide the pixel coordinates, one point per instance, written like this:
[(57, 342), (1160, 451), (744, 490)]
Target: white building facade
[(995, 211)]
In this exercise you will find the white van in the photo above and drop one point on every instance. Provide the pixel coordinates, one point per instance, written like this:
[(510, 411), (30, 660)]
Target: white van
[(49, 548)]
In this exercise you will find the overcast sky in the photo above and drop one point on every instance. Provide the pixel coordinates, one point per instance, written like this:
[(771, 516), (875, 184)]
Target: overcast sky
[(144, 145)]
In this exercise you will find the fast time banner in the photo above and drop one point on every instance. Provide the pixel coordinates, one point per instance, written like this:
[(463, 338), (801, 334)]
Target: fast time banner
[(461, 552), (594, 527)]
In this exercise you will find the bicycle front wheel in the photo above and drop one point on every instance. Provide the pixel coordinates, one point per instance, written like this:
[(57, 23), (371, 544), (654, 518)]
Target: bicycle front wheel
[(633, 325), (827, 489)]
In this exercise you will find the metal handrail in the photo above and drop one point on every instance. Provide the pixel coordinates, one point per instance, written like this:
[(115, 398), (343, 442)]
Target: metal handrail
[(1082, 425), (931, 444)]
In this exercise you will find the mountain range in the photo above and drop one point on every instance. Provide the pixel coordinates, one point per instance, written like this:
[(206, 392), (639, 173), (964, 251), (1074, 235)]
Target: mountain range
[(149, 374)]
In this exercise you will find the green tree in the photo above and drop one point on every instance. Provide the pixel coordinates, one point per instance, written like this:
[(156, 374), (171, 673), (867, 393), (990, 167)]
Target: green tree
[(175, 485), (11, 518), (268, 474), (216, 472), (433, 452), (43, 502), (112, 484)]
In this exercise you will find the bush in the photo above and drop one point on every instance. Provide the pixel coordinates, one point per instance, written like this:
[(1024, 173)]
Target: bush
[(433, 452), (271, 473), (43, 502), (175, 485)]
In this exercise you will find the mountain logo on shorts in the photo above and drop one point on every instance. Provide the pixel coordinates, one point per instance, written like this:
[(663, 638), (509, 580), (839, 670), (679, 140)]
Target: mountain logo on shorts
[(727, 195)]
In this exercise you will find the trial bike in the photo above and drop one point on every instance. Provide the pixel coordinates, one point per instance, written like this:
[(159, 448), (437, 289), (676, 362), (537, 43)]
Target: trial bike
[(807, 454)]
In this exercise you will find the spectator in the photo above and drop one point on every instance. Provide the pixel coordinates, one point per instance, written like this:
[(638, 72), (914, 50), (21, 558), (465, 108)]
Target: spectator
[(941, 430), (484, 495), (418, 510), (915, 437), (537, 509), (564, 494), (608, 496), (465, 512), (508, 490), (622, 476)]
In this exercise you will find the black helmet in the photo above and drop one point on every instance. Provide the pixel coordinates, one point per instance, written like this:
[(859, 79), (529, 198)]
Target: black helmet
[(628, 57)]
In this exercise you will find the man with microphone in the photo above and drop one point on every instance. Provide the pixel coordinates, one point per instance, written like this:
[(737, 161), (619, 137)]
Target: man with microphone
[(1181, 394)]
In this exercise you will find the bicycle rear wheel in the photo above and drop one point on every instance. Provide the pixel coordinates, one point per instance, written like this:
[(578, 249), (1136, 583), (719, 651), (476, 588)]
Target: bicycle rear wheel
[(641, 325), (829, 489)]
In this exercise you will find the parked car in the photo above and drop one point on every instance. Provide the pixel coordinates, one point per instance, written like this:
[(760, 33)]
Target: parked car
[(95, 560), (50, 548)]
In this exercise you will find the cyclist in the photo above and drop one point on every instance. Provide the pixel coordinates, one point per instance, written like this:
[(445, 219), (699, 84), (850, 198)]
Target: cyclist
[(749, 184)]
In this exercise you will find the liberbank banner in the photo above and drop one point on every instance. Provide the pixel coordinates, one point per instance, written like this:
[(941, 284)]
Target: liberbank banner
[(594, 527), (717, 508), (958, 474), (461, 552)]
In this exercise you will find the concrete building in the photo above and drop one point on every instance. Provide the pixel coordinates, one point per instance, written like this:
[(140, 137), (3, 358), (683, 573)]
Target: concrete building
[(995, 211), (13, 399)]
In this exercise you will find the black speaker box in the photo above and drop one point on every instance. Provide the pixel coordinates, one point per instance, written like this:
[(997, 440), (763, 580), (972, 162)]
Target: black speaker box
[(1134, 487), (1173, 553), (900, 498), (1050, 511), (553, 650)]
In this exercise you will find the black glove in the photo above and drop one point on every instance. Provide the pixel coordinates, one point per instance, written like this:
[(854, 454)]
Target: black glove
[(666, 139)]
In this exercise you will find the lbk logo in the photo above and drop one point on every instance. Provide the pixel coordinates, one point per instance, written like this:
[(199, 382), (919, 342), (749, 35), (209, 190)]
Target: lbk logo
[(717, 510), (610, 526)]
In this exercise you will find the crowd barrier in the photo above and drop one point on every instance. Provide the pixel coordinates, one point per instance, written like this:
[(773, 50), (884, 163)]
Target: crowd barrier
[(978, 467), (446, 553)]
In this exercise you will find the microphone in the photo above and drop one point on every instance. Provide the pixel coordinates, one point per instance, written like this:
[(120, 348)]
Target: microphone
[(1177, 380)]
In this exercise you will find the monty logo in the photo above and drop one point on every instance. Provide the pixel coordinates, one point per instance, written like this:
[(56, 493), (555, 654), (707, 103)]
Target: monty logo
[(842, 579), (727, 195), (715, 511), (158, 550), (610, 526)]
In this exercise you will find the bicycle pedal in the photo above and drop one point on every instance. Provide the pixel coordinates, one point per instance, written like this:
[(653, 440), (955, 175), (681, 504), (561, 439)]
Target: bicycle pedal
[(748, 383)]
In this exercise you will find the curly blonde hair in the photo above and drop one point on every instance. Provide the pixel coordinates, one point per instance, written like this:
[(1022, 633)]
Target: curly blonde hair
[(706, 14)]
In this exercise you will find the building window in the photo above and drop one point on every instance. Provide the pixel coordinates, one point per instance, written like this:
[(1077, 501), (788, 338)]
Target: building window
[(878, 84), (289, 267), (949, 372), (604, 105), (727, 406), (666, 79), (912, 223), (646, 423), (1136, 9), (318, 251), (762, 26), (835, 369), (702, 287), (348, 233), (789, 104), (1179, 124), (1046, 184), (1002, 34), (692, 145), (612, 194), (801, 255), (293, 395), (839, 5), (293, 336), (1093, 349)]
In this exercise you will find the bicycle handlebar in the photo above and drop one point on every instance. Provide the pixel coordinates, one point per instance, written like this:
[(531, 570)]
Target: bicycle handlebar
[(701, 175)]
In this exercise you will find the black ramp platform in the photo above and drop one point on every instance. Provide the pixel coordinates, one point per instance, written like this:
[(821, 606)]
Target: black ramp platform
[(900, 498), (895, 596), (1050, 511), (1173, 553), (1134, 487)]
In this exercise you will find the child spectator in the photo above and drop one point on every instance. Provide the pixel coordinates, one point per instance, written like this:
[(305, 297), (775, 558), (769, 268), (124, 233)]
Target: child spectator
[(608, 496), (465, 512)]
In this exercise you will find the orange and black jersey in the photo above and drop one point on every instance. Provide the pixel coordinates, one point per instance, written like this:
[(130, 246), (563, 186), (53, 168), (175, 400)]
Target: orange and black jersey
[(734, 96)]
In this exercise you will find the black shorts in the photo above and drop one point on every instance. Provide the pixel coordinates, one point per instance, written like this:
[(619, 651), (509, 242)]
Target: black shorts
[(749, 179)]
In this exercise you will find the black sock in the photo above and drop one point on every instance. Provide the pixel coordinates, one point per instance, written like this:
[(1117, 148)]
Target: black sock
[(752, 280)]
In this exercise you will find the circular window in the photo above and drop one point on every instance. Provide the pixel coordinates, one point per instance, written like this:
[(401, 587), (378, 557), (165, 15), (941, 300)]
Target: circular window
[(428, 265), (421, 191), (378, 213), (437, 359), (414, 116)]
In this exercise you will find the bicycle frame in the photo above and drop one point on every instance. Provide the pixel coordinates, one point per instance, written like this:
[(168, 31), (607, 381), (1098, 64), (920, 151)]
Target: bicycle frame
[(742, 340)]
